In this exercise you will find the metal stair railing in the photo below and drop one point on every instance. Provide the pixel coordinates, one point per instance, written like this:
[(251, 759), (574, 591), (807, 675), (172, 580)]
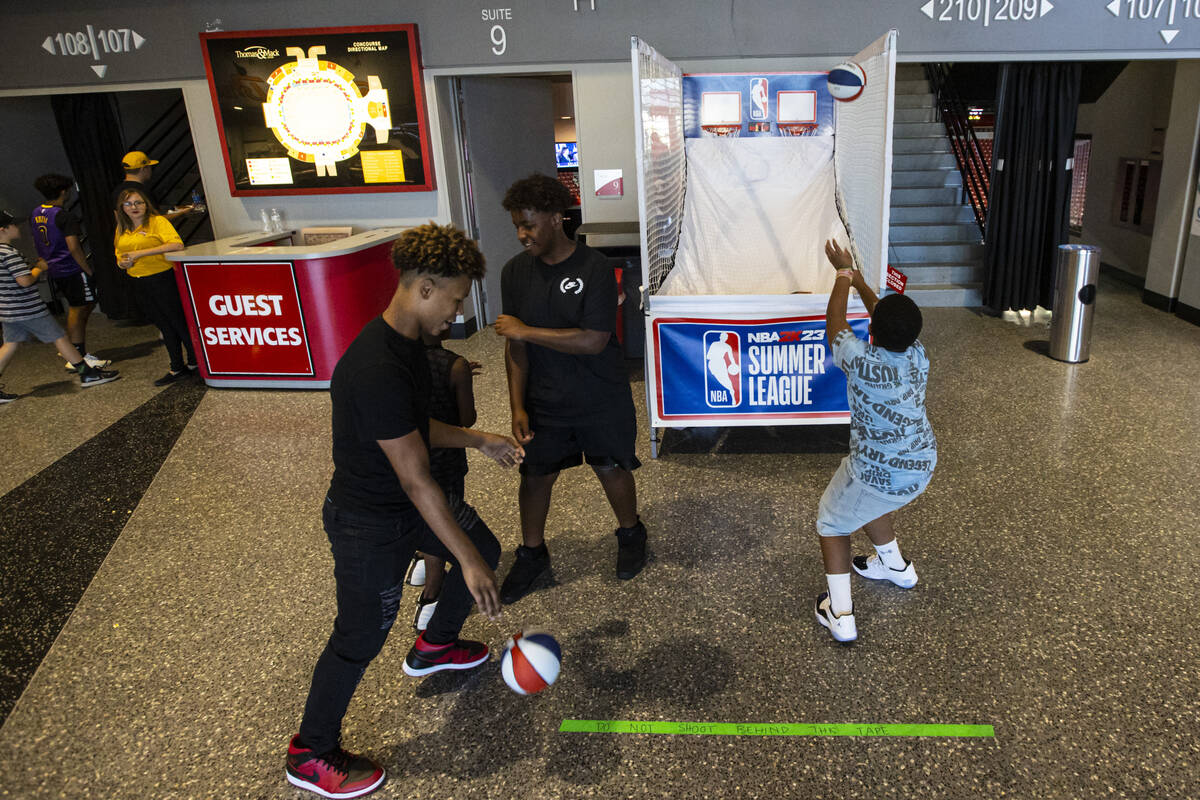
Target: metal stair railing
[(975, 169)]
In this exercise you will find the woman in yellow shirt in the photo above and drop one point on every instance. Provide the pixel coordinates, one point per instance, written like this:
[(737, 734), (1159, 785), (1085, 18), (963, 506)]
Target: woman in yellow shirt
[(143, 236)]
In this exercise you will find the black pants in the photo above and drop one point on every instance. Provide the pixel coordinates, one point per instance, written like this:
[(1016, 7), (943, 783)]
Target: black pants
[(158, 297), (370, 556)]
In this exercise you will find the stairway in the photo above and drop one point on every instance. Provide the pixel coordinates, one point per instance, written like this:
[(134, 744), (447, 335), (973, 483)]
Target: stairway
[(933, 238)]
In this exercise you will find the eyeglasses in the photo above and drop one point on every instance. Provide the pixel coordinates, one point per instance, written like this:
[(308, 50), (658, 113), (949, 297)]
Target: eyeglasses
[(131, 203)]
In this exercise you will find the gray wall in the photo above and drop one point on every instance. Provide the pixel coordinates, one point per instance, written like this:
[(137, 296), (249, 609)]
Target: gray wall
[(33, 148), (1122, 123)]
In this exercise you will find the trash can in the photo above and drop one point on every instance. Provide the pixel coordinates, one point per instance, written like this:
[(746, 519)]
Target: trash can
[(1074, 302)]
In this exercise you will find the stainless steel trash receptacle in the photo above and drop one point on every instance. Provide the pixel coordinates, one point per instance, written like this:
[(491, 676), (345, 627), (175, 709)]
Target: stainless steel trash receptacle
[(1074, 302)]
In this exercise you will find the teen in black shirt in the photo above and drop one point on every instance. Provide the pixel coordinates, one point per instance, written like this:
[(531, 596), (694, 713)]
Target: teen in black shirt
[(383, 504), (567, 383)]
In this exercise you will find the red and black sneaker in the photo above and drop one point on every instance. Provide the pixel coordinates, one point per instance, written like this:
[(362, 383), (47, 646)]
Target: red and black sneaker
[(425, 658), (335, 774)]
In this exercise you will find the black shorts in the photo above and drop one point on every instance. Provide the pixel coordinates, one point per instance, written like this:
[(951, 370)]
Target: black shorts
[(77, 289), (609, 440)]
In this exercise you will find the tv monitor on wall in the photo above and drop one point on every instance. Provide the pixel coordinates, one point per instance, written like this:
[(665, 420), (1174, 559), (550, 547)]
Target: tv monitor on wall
[(320, 110), (566, 154)]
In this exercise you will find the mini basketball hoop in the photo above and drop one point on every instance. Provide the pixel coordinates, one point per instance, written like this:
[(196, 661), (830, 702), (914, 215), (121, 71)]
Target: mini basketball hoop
[(797, 129), (721, 130)]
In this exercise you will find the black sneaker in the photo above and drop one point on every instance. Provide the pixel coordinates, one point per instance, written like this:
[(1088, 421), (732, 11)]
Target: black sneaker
[(90, 376), (333, 774), (631, 550), (425, 609), (530, 563), (171, 377), (5, 397)]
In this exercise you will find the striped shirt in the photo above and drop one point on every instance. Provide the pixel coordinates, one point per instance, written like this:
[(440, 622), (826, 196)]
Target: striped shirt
[(17, 302)]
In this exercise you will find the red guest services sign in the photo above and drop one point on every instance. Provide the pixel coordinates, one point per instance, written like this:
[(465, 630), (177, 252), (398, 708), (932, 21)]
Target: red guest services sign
[(249, 318)]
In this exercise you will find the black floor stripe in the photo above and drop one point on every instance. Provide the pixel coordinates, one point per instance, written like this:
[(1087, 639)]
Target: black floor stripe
[(57, 527)]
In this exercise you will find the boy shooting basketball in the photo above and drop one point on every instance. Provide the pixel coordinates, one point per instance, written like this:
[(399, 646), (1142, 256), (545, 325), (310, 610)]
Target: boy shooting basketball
[(892, 447)]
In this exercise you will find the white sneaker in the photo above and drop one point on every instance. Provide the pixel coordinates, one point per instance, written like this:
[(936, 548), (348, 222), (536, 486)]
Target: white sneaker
[(416, 572), (873, 568), (842, 628), (92, 361), (425, 609)]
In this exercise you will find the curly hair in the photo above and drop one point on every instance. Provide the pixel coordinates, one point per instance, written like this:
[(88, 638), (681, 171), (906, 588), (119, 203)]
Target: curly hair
[(538, 192), (441, 250), (52, 185)]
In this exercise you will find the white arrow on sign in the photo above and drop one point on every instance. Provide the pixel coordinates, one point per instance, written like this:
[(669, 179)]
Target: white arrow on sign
[(1047, 7), (138, 41), (100, 69), (1169, 35), (927, 8), (48, 45), (1114, 7)]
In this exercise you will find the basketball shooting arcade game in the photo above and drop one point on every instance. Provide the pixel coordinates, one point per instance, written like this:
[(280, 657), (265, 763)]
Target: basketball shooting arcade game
[(741, 179)]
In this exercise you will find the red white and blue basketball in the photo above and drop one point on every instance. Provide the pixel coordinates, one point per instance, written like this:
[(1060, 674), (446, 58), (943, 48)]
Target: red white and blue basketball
[(530, 662), (847, 81)]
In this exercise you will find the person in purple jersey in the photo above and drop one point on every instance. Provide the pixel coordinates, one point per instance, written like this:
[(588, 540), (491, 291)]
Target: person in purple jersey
[(56, 235)]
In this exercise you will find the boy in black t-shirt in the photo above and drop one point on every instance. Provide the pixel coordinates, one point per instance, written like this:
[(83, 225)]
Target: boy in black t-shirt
[(383, 504), (567, 382)]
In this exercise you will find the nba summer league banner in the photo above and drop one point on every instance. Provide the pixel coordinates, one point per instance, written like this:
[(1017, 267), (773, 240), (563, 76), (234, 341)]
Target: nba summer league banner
[(749, 370)]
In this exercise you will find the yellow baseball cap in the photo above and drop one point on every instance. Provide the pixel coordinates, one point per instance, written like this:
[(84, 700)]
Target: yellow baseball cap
[(136, 159)]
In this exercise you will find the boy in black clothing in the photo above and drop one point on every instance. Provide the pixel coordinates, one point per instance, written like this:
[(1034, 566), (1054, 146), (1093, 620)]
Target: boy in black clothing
[(567, 382), (383, 504)]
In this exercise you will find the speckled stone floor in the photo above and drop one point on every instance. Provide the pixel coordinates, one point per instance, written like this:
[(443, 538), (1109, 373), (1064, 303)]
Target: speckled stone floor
[(1056, 549)]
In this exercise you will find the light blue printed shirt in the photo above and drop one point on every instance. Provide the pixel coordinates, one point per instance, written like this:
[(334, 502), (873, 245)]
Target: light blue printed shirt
[(892, 447)]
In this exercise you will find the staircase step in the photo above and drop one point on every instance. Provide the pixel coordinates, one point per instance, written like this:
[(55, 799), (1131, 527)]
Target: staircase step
[(916, 114), (924, 100), (963, 251), (912, 87), (932, 274), (931, 232), (908, 130), (921, 144), (938, 196), (946, 215), (948, 295), (925, 178), (910, 72), (906, 161)]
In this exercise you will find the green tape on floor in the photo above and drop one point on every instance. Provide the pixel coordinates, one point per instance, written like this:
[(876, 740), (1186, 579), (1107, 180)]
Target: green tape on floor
[(768, 729)]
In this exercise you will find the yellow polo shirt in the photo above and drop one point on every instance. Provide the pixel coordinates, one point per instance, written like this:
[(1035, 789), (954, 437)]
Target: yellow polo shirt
[(154, 232)]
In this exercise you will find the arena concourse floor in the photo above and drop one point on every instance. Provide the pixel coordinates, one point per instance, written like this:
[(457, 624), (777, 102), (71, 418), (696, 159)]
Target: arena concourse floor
[(167, 588)]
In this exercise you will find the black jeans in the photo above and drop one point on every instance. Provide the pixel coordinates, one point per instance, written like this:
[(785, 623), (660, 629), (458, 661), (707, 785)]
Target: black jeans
[(158, 297), (370, 556)]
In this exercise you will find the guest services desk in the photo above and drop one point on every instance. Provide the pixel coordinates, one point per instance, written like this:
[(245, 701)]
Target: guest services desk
[(266, 314)]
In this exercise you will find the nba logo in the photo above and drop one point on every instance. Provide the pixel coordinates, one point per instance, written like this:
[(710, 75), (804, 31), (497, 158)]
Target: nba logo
[(758, 98), (723, 368)]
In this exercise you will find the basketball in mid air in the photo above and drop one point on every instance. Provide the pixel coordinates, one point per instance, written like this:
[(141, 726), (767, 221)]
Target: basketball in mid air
[(530, 662), (847, 81)]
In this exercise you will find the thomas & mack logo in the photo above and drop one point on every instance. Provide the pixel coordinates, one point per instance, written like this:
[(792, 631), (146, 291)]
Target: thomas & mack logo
[(723, 368), (257, 51)]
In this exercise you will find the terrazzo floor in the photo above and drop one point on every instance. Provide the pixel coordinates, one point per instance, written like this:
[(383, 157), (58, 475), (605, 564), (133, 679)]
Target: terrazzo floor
[(1055, 545)]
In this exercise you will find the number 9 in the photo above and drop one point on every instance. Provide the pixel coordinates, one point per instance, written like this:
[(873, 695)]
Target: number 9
[(499, 40)]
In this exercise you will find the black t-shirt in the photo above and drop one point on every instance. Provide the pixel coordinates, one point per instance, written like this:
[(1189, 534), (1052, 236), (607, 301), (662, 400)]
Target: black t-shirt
[(578, 292), (141, 187), (380, 390)]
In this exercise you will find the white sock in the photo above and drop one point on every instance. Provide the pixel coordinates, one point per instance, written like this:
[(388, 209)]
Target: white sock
[(839, 593), (889, 554)]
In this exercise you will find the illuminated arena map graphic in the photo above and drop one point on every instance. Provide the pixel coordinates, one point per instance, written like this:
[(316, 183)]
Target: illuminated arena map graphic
[(318, 113)]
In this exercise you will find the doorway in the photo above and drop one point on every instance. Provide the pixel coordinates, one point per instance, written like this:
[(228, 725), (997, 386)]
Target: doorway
[(508, 128)]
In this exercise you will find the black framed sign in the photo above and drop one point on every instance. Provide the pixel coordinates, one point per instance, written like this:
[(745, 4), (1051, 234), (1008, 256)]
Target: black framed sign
[(320, 110)]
